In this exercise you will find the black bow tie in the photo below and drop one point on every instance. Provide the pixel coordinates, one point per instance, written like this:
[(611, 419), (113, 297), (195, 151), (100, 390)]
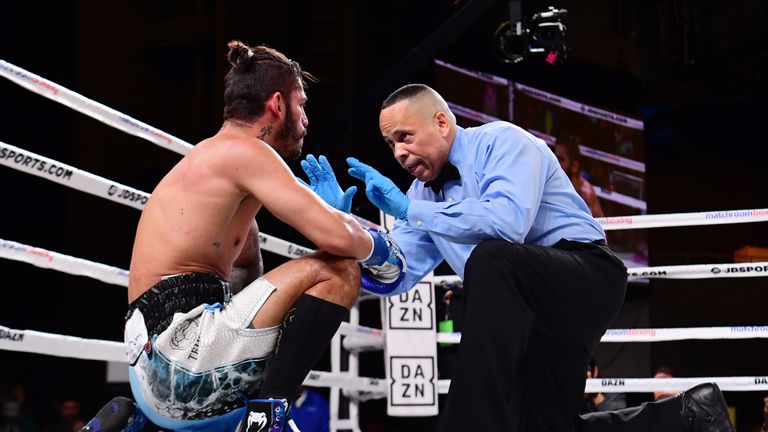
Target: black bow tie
[(448, 173)]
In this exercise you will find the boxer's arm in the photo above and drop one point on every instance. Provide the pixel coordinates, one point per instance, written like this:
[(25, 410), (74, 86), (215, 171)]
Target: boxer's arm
[(248, 266), (261, 172)]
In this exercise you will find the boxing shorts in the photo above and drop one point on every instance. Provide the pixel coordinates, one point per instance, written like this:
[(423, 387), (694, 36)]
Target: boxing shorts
[(202, 360)]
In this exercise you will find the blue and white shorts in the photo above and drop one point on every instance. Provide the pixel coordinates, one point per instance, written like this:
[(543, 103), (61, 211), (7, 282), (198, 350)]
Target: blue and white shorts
[(198, 373)]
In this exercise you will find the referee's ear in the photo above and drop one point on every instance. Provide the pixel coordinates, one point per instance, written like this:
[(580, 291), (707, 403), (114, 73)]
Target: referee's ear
[(441, 119)]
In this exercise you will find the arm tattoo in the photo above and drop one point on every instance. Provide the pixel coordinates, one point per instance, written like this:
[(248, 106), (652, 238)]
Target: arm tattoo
[(265, 132)]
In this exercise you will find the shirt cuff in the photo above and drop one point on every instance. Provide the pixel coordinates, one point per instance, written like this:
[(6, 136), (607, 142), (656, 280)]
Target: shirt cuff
[(420, 214)]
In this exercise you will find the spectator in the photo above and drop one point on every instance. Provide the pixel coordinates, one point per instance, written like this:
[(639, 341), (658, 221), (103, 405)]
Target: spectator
[(664, 372), (594, 402), (13, 411), (68, 418)]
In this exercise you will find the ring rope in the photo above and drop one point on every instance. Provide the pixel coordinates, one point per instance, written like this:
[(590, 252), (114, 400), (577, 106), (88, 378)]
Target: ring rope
[(100, 112), (369, 342), (75, 178), (44, 258), (64, 263), (32, 341), (691, 271), (67, 175), (135, 127), (683, 219), (642, 385), (700, 271), (660, 334), (93, 349), (648, 385), (74, 347)]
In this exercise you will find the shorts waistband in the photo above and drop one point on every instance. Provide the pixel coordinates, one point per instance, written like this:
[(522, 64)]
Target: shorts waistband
[(178, 294)]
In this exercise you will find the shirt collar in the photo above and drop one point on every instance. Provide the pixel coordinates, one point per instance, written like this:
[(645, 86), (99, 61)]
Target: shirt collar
[(458, 147)]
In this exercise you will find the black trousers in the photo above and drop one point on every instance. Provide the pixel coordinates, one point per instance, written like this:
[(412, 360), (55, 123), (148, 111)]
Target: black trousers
[(533, 316)]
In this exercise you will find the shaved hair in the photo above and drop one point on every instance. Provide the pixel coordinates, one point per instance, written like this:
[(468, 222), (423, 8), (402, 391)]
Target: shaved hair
[(423, 94)]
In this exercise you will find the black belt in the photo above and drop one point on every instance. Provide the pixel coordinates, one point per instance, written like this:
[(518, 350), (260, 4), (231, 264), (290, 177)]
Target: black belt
[(178, 294), (573, 244), (599, 244)]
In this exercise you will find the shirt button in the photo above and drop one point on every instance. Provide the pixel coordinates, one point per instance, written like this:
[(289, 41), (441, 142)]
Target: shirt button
[(419, 223), (450, 200)]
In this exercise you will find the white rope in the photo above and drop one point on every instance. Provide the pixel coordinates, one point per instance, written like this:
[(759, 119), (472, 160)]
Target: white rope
[(75, 178), (374, 387), (113, 275), (352, 330), (649, 385), (694, 271), (67, 175), (62, 346), (700, 271), (64, 263), (676, 334), (643, 385), (660, 334), (74, 347), (360, 338), (91, 108), (282, 247), (91, 349), (684, 219)]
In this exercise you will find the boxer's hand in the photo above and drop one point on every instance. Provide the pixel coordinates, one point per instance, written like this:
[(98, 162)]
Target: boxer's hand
[(384, 270), (381, 191), (323, 182)]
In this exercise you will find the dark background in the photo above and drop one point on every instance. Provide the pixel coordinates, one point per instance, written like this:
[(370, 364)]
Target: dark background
[(695, 71)]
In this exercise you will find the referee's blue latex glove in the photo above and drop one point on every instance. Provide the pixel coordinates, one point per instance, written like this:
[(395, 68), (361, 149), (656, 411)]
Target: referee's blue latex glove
[(323, 182), (380, 190)]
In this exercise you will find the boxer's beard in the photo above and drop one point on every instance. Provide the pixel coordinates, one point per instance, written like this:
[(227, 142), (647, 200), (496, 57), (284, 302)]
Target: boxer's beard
[(289, 135)]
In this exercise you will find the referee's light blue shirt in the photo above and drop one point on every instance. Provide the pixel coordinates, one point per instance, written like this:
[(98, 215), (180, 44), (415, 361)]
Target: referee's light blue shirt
[(511, 188)]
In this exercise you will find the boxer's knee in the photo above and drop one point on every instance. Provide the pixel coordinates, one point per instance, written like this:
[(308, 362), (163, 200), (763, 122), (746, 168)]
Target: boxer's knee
[(346, 273), (339, 277)]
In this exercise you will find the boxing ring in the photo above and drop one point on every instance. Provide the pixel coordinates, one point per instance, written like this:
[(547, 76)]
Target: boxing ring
[(347, 388)]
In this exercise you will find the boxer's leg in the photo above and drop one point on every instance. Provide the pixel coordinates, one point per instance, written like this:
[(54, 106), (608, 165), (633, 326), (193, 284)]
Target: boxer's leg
[(312, 295), (323, 276)]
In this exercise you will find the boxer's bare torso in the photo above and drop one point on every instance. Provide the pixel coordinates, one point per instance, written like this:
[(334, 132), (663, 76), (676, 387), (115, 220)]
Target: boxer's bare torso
[(197, 219)]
